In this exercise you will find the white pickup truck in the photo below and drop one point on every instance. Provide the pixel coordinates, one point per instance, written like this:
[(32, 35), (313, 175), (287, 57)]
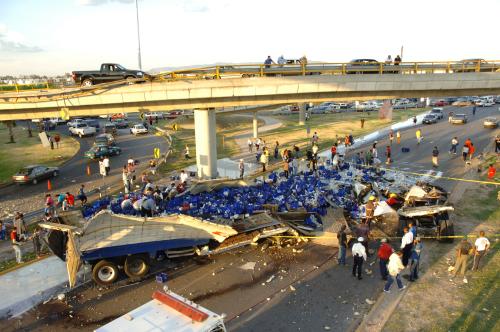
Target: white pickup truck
[(82, 129)]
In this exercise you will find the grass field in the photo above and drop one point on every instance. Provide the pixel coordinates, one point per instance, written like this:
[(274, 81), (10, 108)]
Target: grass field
[(29, 150), (329, 126), (228, 126)]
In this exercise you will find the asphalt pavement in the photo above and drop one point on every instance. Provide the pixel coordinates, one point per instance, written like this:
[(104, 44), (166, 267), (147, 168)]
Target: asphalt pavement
[(297, 288), (73, 173)]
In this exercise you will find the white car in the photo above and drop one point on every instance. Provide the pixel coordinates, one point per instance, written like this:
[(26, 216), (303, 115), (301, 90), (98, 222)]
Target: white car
[(153, 115), (138, 129), (74, 122), (82, 129)]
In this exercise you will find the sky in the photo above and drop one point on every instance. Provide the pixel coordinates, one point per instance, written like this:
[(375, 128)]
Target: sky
[(49, 37)]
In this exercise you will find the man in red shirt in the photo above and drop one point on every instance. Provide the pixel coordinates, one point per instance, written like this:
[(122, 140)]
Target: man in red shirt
[(71, 199), (491, 171), (384, 252)]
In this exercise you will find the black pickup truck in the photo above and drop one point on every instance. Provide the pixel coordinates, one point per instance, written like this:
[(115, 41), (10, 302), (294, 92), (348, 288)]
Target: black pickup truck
[(109, 72)]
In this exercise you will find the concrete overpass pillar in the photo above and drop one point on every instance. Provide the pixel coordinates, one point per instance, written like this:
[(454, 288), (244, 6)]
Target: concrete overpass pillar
[(255, 125), (206, 143), (302, 114)]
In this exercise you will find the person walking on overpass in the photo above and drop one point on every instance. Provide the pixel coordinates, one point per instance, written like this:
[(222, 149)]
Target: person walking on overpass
[(435, 154), (418, 134), (482, 245), (454, 144), (268, 62), (281, 60), (384, 252), (388, 61), (359, 256), (395, 266), (397, 60)]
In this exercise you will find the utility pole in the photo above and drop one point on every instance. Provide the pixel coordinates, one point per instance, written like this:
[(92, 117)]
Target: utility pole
[(138, 34), (400, 55)]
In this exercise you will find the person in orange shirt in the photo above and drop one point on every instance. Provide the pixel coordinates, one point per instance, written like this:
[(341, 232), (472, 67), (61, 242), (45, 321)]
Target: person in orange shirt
[(491, 172), (472, 149)]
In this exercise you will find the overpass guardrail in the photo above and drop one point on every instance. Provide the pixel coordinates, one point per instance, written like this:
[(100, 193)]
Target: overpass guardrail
[(273, 70)]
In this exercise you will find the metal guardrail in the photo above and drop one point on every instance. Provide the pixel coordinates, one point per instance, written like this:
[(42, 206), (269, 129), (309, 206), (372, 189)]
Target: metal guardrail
[(272, 70)]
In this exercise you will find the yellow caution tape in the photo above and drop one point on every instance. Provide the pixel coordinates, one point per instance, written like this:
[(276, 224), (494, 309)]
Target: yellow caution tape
[(434, 176), (382, 237)]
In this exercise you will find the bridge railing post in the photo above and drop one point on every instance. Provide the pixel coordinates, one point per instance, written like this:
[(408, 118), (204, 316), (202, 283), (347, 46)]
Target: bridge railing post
[(261, 67), (343, 69), (217, 72)]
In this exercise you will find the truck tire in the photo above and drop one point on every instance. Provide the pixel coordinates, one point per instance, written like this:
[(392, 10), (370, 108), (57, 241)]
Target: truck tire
[(446, 229), (105, 273), (136, 266), (87, 82)]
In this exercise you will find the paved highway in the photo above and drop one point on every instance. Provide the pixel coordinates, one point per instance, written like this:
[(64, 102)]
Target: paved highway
[(30, 197), (260, 297)]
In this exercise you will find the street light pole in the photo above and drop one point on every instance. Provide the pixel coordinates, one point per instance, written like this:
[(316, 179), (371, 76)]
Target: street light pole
[(138, 35)]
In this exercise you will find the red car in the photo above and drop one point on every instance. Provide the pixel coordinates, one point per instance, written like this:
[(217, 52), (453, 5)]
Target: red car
[(174, 114), (441, 103)]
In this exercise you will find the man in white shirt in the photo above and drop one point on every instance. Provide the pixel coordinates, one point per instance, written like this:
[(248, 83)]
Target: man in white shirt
[(482, 245), (250, 145), (406, 245), (184, 176), (106, 165), (395, 266), (359, 256)]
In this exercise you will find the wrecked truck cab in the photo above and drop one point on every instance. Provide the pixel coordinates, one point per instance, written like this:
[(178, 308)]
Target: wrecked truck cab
[(431, 220)]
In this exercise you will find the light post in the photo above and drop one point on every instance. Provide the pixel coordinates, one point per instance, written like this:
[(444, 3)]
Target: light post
[(138, 34)]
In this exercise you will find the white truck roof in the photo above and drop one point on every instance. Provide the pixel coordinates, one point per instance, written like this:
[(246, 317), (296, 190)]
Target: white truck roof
[(167, 312)]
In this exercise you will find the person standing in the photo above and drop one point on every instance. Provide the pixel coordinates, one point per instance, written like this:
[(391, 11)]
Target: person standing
[(107, 167), (398, 137), (415, 120), (250, 145), (16, 245), (388, 154), (465, 152), (342, 238), (186, 153), (126, 183), (295, 166), (395, 266), (397, 60), (333, 151), (268, 62), (415, 258), (482, 245), (359, 256), (363, 231), (257, 144), (384, 252), (370, 209), (497, 144), (286, 168), (435, 154), (183, 177), (388, 61), (391, 136), (406, 245), (241, 166), (473, 110), (57, 139), (37, 243), (472, 149), (263, 161), (281, 60), (315, 150), (491, 171), (454, 144), (20, 224), (418, 134), (462, 256), (276, 150), (362, 122), (81, 195), (3, 230), (49, 205)]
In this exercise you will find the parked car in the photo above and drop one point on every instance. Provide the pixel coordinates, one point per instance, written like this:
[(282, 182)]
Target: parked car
[(174, 114), (104, 139), (120, 123), (82, 129), (154, 115), (101, 151), (459, 119), (490, 123), (437, 112), (462, 102), (110, 128), (35, 173), (318, 110), (440, 103), (138, 129), (429, 119), (109, 72)]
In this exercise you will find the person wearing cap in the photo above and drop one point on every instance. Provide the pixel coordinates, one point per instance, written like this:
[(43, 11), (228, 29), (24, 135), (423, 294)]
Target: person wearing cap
[(415, 258), (242, 168), (359, 256), (392, 200), (370, 209), (464, 250), (482, 245), (406, 245), (395, 266), (384, 252)]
